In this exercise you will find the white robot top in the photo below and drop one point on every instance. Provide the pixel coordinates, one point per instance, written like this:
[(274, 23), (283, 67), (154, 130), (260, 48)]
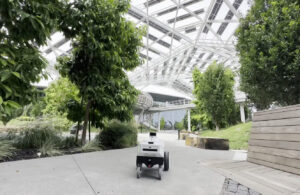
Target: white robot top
[(153, 147)]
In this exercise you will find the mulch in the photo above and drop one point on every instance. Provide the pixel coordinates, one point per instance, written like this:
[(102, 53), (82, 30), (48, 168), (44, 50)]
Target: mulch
[(26, 154)]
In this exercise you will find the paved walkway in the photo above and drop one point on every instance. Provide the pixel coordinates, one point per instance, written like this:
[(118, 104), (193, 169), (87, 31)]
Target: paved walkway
[(113, 172)]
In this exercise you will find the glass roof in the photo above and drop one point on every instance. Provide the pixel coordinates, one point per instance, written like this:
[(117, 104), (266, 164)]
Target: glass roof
[(181, 35)]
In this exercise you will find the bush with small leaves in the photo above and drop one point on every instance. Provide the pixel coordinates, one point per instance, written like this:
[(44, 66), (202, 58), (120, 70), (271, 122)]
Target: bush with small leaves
[(119, 135)]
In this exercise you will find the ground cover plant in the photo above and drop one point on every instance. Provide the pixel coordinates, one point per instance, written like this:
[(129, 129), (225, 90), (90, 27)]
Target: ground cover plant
[(43, 139), (6, 149), (238, 135)]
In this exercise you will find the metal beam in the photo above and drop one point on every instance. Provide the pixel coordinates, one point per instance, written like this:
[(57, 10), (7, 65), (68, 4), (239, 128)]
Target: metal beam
[(234, 11), (159, 23)]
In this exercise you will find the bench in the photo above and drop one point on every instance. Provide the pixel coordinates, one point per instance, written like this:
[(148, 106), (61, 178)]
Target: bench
[(273, 162)]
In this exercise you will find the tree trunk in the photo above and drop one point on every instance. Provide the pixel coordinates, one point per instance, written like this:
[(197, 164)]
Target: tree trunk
[(77, 131), (217, 127), (86, 119), (89, 130)]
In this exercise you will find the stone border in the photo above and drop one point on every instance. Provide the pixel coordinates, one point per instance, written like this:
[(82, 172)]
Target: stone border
[(231, 187)]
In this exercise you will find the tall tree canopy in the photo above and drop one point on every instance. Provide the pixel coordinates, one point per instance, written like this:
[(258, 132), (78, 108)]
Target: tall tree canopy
[(105, 44), (24, 26), (214, 93), (269, 47)]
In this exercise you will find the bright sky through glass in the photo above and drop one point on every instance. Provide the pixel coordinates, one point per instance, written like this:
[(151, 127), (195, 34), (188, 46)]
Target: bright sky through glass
[(182, 35)]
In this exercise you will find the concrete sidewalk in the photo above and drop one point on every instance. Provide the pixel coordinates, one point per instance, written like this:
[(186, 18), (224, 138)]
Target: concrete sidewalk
[(113, 172)]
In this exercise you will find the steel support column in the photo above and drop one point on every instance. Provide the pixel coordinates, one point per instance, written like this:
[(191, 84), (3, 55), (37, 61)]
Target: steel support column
[(189, 120), (242, 112), (158, 114)]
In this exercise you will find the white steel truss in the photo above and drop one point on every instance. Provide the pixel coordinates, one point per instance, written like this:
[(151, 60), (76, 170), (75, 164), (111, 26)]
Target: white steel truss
[(181, 35)]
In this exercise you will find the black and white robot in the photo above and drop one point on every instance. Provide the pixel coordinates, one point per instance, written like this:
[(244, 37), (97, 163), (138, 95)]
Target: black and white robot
[(150, 154)]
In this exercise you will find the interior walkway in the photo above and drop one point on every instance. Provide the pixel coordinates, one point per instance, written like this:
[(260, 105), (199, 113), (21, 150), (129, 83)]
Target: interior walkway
[(113, 172)]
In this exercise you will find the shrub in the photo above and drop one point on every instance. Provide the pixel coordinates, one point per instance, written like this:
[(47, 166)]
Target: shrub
[(6, 149), (36, 135), (25, 118), (91, 146), (118, 135), (69, 142), (59, 123), (11, 135), (49, 148), (37, 108), (179, 125)]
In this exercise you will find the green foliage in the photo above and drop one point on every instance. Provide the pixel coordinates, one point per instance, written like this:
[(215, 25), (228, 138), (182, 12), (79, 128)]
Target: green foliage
[(91, 146), (119, 135), (35, 136), (105, 46), (11, 135), (74, 111), (6, 149), (237, 135), (179, 125), (162, 123), (49, 148), (24, 26), (58, 123), (38, 107), (268, 43), (25, 118), (214, 93), (57, 96), (199, 119), (13, 113), (68, 142)]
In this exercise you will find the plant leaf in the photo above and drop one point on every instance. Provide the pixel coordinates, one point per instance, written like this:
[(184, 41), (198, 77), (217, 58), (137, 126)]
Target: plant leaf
[(17, 74), (5, 75), (13, 104)]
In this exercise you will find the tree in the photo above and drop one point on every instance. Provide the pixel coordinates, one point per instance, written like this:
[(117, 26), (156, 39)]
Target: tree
[(75, 112), (57, 96), (268, 44), (105, 46), (162, 123), (179, 125), (24, 26), (214, 92), (199, 119)]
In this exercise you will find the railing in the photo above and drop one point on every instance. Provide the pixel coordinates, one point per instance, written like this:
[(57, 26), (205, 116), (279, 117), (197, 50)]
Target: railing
[(171, 103)]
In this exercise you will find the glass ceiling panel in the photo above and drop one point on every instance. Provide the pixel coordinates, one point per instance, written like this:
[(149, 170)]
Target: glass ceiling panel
[(183, 35)]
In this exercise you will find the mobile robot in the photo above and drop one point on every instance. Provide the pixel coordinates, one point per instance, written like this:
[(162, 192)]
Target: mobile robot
[(151, 153)]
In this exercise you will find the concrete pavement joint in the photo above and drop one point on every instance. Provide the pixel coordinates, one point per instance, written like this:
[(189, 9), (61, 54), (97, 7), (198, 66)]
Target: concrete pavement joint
[(84, 175)]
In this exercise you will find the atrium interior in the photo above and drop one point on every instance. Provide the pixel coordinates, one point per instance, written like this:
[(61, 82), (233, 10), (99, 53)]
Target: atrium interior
[(181, 35)]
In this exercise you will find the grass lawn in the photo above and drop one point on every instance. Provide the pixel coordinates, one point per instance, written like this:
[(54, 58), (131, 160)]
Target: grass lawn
[(238, 135)]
